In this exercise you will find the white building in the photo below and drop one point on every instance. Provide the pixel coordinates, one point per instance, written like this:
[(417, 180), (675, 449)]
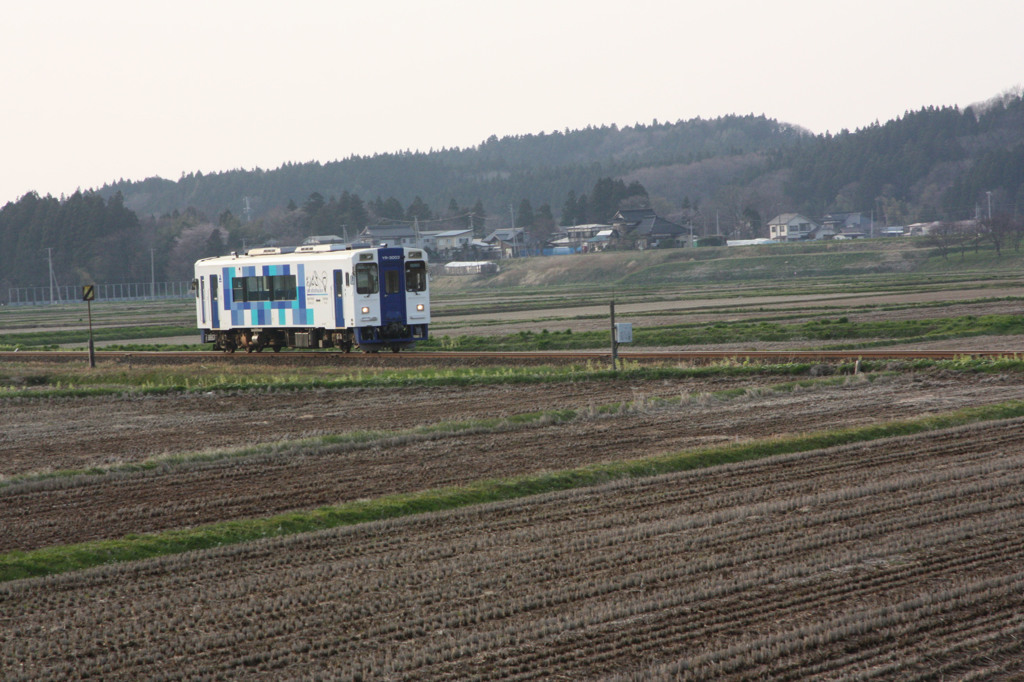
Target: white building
[(452, 240), (791, 227)]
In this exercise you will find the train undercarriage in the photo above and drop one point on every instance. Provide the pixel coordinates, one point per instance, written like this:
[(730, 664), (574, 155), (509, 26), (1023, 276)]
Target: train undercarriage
[(393, 337)]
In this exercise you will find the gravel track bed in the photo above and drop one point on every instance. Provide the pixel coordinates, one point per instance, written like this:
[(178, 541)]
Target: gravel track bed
[(892, 559)]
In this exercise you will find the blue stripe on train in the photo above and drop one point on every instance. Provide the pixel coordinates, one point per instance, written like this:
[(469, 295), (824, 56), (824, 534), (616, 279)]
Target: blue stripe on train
[(260, 313)]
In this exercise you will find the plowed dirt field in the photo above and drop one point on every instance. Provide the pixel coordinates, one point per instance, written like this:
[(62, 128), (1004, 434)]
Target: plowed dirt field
[(892, 558)]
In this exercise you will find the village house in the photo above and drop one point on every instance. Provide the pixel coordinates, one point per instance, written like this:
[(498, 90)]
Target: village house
[(451, 240), (648, 230), (392, 235), (791, 227), (510, 242)]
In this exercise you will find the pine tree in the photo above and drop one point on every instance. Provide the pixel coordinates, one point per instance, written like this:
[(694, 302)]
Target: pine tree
[(524, 216), (418, 209), (569, 209)]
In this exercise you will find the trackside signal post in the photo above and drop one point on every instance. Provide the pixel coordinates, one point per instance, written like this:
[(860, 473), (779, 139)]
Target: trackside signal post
[(89, 295), (622, 332)]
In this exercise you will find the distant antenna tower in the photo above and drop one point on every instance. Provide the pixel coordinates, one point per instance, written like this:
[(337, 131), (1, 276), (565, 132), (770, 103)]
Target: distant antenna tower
[(247, 211)]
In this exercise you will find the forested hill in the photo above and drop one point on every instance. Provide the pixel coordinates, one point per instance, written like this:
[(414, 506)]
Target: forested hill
[(929, 164), (542, 168)]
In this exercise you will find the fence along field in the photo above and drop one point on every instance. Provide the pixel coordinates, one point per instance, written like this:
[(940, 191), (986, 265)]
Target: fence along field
[(893, 558)]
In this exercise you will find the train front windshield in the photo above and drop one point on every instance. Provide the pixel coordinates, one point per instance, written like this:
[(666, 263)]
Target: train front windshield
[(416, 276), (366, 278)]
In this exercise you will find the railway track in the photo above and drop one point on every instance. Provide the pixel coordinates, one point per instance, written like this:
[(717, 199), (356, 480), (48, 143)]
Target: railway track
[(413, 358)]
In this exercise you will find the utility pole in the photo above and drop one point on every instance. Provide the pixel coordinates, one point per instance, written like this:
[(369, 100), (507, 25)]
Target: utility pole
[(152, 275), (49, 260), (615, 343), (512, 232), (53, 280)]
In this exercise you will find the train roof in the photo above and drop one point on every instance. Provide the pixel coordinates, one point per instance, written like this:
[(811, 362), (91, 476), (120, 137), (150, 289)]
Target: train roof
[(307, 251)]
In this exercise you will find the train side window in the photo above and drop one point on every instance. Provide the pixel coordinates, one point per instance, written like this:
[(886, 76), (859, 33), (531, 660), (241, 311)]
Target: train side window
[(391, 282), (264, 288), (257, 288), (284, 288), (214, 288), (415, 276), (366, 278)]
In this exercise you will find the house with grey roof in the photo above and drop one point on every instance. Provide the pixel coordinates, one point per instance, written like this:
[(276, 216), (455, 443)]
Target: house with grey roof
[(392, 235), (510, 241), (648, 230), (452, 240), (791, 227)]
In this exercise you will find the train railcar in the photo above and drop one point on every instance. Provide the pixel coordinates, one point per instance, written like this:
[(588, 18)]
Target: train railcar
[(316, 296)]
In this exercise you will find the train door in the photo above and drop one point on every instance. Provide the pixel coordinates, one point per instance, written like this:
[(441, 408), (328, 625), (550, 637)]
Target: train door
[(392, 277), (339, 299), (202, 301), (214, 303)]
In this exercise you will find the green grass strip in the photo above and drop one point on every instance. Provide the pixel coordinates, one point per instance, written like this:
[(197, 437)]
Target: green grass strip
[(154, 384), (60, 559), (55, 337), (820, 328)]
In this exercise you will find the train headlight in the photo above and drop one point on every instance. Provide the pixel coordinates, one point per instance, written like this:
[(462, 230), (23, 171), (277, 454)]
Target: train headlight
[(365, 311), (419, 307)]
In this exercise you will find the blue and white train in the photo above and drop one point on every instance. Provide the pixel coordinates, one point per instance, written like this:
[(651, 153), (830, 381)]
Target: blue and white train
[(315, 296)]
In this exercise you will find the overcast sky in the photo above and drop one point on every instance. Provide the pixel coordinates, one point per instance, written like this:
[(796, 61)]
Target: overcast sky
[(93, 92)]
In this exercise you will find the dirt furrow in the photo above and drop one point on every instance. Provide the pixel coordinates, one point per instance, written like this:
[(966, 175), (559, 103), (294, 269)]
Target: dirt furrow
[(82, 432), (870, 557), (184, 496)]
